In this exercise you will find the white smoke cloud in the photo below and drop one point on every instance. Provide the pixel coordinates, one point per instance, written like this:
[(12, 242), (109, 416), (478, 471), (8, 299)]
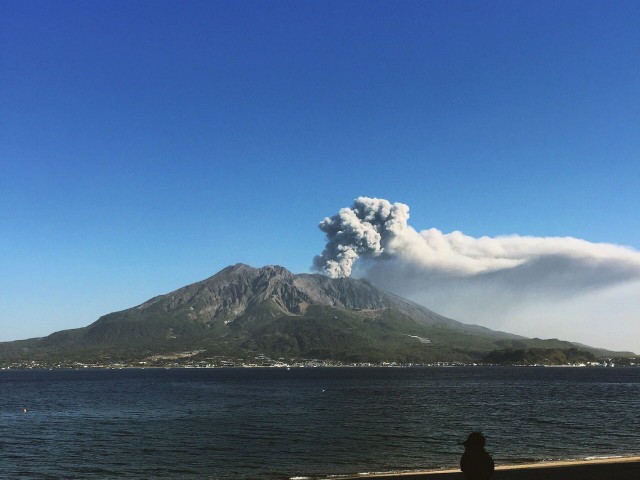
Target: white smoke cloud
[(494, 281)]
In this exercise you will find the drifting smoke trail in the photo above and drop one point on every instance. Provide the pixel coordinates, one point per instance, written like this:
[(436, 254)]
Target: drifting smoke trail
[(374, 229)]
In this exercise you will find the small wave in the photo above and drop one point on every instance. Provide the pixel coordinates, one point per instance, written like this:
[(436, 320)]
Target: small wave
[(604, 457)]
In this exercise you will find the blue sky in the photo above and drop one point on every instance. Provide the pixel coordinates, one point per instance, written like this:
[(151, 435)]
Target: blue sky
[(146, 145)]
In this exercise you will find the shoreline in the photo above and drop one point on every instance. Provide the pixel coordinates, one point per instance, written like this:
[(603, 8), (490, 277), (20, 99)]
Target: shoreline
[(606, 468), (39, 367)]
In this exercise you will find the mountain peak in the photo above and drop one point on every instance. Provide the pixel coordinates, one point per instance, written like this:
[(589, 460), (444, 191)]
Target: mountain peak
[(244, 269)]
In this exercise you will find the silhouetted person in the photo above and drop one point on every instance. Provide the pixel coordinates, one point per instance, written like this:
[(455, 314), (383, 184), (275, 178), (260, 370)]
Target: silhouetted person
[(476, 463)]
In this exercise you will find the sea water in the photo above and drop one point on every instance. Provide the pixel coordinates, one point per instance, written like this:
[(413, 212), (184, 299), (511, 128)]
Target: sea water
[(277, 423)]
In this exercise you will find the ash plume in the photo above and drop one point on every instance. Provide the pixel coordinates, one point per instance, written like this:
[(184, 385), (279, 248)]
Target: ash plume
[(493, 281), (364, 230)]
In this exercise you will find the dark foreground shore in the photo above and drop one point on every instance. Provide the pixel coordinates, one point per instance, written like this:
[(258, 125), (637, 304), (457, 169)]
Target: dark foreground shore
[(627, 468)]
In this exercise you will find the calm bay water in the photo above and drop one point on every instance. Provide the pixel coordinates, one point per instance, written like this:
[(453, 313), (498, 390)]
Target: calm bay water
[(277, 423)]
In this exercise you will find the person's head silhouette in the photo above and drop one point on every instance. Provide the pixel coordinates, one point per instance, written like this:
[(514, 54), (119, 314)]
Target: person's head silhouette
[(475, 441)]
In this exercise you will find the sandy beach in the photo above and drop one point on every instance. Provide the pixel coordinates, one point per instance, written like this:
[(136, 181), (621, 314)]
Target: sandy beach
[(624, 468)]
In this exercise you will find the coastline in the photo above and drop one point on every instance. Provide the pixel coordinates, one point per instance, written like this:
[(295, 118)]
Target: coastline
[(611, 468)]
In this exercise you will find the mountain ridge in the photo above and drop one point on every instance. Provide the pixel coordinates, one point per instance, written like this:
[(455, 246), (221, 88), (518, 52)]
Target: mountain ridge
[(242, 311)]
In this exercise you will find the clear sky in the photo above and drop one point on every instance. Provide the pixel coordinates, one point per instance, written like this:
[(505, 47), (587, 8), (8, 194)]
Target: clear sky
[(145, 145)]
